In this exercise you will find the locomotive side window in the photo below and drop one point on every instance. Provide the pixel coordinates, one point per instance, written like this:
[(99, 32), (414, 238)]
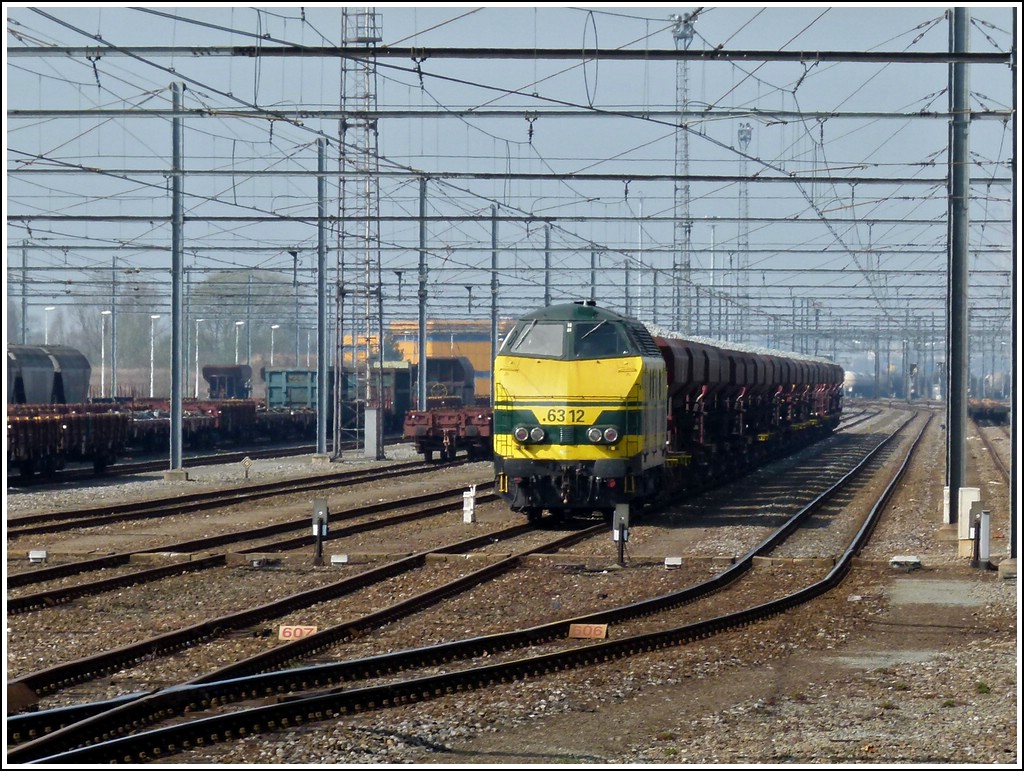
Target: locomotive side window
[(537, 338)]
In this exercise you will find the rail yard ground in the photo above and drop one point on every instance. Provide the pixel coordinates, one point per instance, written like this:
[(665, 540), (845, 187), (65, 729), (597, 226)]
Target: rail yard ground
[(910, 665)]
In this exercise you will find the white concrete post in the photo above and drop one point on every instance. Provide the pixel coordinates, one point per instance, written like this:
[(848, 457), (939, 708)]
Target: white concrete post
[(469, 505)]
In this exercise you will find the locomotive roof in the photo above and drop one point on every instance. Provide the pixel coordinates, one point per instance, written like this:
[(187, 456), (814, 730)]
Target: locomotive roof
[(582, 310)]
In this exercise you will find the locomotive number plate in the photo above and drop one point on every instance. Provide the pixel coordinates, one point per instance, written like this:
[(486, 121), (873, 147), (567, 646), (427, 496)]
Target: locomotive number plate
[(564, 416)]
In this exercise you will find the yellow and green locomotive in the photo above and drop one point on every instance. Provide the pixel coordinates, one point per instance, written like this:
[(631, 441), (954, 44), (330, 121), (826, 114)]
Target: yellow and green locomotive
[(593, 412), (579, 411)]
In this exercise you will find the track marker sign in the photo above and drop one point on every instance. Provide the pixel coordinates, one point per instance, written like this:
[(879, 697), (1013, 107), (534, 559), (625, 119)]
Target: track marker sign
[(588, 631), (295, 632)]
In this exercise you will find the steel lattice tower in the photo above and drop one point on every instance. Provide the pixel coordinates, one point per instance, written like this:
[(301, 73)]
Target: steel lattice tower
[(742, 298), (682, 280), (358, 197)]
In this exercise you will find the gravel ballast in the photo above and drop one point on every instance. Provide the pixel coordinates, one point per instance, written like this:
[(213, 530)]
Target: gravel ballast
[(897, 665)]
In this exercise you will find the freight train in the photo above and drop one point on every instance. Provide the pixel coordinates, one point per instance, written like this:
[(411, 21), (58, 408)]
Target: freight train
[(46, 374), (45, 437), (594, 413), (51, 421), (988, 412)]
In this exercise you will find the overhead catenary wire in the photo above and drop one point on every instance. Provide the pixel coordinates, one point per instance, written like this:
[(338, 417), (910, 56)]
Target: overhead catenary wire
[(566, 236)]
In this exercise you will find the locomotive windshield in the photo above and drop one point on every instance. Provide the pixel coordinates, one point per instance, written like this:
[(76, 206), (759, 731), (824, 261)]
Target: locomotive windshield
[(537, 338), (570, 339), (600, 340)]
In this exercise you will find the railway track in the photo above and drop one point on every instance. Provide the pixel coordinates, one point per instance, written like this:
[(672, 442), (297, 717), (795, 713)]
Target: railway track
[(997, 453), (54, 522), (420, 507), (86, 472), (389, 694), (133, 512), (67, 675)]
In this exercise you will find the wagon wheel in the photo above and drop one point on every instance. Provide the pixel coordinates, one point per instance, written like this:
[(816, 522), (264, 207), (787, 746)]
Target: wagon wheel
[(438, 389)]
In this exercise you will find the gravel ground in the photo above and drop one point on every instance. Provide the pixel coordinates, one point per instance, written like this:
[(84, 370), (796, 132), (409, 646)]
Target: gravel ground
[(916, 667)]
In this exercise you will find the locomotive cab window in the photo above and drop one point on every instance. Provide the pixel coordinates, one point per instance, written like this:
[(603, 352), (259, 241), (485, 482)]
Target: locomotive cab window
[(536, 338), (600, 340)]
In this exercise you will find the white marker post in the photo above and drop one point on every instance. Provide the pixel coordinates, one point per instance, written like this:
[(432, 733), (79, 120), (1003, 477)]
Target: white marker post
[(620, 529), (469, 505), (320, 515), (981, 534)]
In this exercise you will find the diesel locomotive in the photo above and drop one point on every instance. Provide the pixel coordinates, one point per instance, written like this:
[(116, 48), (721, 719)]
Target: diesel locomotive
[(592, 411)]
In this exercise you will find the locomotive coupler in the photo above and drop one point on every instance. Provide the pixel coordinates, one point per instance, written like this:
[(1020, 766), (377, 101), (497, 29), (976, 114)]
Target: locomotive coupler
[(566, 485)]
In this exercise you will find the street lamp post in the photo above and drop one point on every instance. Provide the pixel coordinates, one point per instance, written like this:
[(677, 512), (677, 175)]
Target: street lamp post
[(238, 324), (103, 353), (46, 323), (272, 328), (197, 357), (152, 348)]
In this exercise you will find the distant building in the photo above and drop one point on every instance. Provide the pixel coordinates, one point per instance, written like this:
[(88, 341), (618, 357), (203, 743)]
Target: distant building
[(452, 337)]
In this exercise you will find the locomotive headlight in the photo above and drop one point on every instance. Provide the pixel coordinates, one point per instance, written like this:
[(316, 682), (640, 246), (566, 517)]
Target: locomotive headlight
[(606, 435), (537, 434), (521, 434)]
